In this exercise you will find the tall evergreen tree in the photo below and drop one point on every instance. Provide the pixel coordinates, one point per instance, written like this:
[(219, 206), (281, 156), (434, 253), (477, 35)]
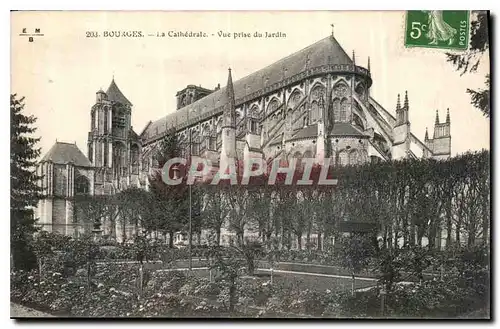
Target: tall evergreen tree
[(25, 191)]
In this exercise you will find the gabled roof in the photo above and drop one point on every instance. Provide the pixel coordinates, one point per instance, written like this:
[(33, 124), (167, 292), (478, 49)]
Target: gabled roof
[(345, 129), (323, 52), (114, 94), (307, 132), (64, 153)]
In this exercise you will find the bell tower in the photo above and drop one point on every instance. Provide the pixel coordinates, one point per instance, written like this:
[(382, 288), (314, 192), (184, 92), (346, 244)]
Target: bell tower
[(108, 140)]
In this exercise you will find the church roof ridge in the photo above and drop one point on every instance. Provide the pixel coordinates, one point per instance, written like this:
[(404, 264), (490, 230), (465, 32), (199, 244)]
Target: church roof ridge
[(298, 52), (322, 52)]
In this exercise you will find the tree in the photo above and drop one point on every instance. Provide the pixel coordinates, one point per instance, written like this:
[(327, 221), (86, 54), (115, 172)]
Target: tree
[(259, 211), (239, 200), (468, 61), (228, 267), (355, 254), (25, 191), (171, 200), (90, 209), (111, 213), (215, 210), (133, 207)]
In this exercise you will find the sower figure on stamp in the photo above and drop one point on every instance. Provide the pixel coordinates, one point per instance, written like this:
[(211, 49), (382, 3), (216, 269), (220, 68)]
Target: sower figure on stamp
[(439, 30)]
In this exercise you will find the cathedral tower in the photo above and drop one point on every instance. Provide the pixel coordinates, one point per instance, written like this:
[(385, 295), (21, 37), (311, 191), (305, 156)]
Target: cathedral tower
[(113, 147), (440, 144), (402, 135)]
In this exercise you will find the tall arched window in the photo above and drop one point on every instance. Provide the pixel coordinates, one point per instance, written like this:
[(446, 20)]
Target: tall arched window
[(82, 186), (134, 158), (253, 120), (205, 137), (195, 142), (317, 101), (343, 110), (298, 159), (119, 158), (91, 153), (336, 109), (340, 95), (106, 154), (273, 105), (294, 99), (106, 123), (314, 112), (360, 90), (92, 122)]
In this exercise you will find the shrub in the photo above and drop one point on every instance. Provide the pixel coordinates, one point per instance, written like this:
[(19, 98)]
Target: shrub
[(165, 282)]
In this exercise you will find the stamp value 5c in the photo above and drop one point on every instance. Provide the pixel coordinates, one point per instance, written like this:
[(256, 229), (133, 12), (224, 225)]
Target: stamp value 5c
[(447, 29)]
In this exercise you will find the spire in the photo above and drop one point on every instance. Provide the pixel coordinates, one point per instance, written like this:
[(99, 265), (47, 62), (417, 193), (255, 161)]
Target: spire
[(231, 110), (353, 57), (447, 115), (368, 63), (426, 138), (114, 94), (406, 100), (230, 88), (398, 104), (437, 117), (332, 28)]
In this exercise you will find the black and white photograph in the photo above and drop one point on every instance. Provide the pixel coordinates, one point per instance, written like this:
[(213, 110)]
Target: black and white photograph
[(250, 164)]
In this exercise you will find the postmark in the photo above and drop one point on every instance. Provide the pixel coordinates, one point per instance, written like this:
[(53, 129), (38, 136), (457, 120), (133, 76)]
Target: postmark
[(446, 29)]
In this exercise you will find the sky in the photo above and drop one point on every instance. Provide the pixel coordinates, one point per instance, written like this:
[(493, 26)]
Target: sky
[(60, 72)]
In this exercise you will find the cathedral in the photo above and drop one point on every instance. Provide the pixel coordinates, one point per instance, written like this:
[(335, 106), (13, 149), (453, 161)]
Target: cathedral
[(314, 103)]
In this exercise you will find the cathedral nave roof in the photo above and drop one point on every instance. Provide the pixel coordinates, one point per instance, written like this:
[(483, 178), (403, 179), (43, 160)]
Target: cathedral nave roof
[(323, 52)]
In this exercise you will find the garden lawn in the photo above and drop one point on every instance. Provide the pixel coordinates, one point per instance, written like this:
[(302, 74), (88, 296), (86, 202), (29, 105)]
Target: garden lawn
[(304, 281)]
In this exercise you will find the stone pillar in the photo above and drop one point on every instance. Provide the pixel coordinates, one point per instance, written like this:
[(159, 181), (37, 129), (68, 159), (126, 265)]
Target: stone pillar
[(48, 214), (92, 180), (110, 154), (94, 145), (110, 118), (96, 121), (41, 212), (69, 218), (102, 152), (45, 179), (71, 179), (50, 172), (68, 180), (320, 143)]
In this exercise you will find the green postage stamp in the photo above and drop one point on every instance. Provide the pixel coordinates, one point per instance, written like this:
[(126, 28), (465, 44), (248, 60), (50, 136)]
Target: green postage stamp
[(448, 29)]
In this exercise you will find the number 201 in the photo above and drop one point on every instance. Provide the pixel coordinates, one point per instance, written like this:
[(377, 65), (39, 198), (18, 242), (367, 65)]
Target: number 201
[(416, 29)]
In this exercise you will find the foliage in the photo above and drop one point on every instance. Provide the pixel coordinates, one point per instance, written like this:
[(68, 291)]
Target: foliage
[(355, 252), (481, 98), (171, 293), (25, 191), (168, 205), (90, 208), (468, 61)]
